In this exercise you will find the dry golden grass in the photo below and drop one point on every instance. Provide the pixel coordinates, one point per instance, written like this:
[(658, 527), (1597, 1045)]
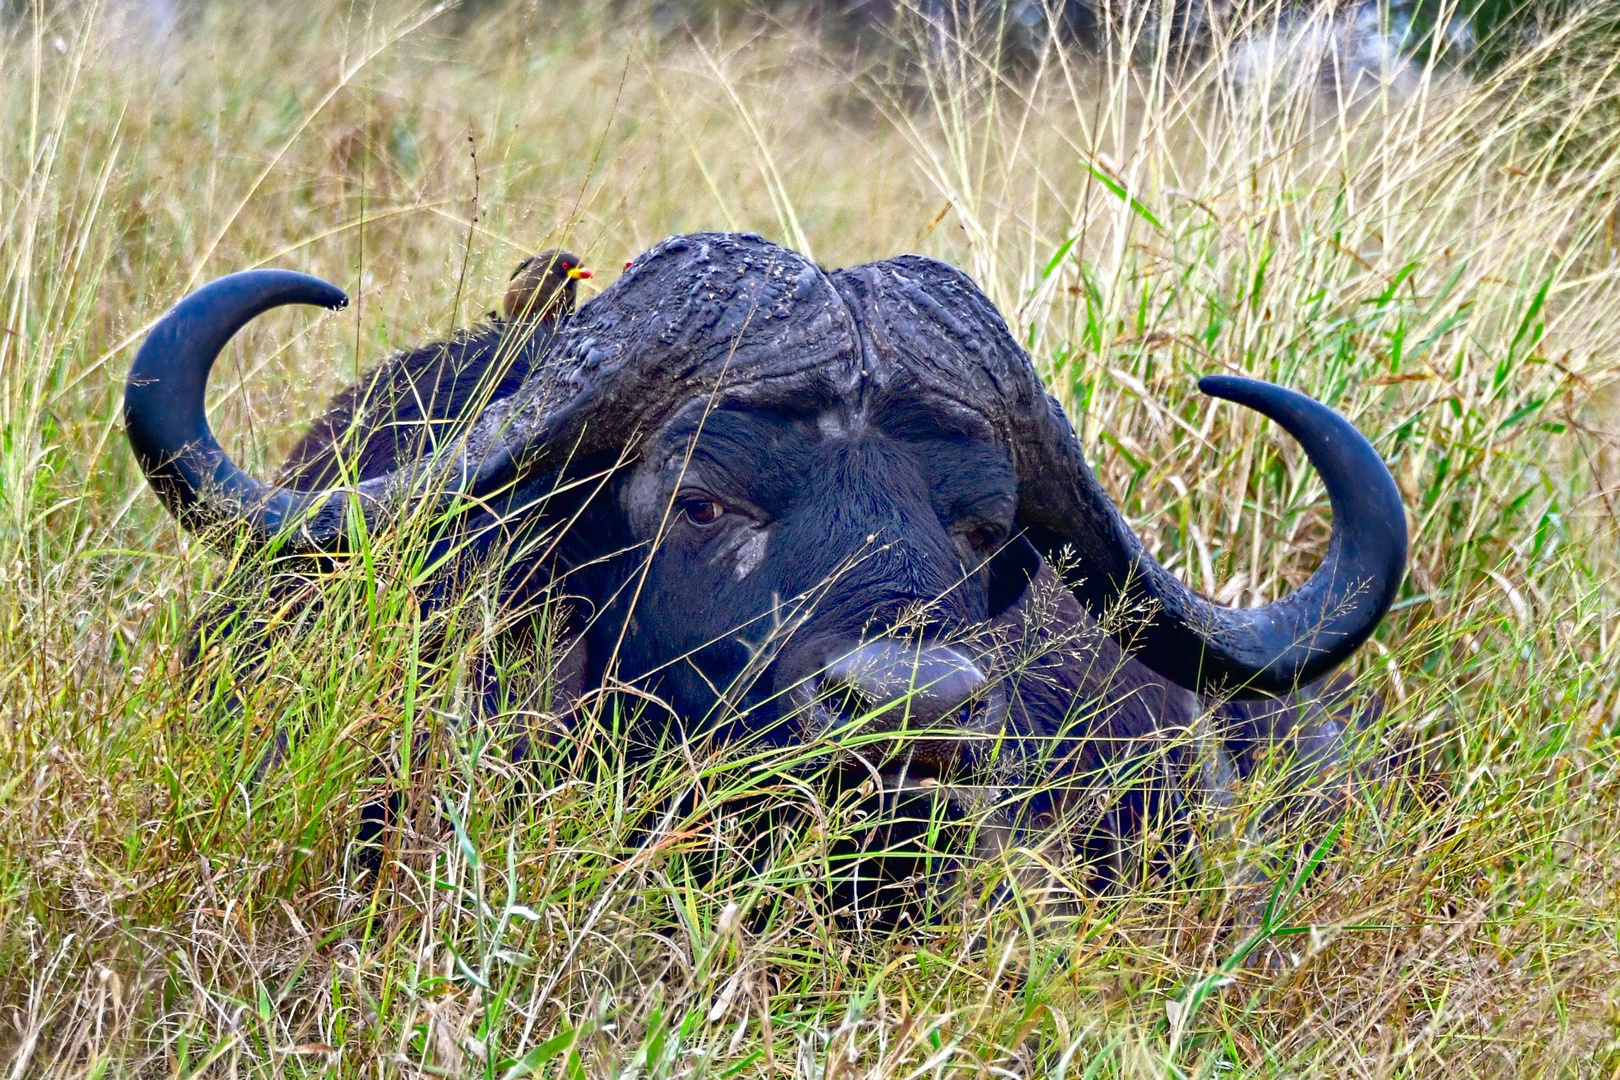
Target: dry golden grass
[(1438, 262)]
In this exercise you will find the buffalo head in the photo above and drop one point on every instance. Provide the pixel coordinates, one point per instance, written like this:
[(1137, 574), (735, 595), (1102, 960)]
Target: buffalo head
[(774, 495)]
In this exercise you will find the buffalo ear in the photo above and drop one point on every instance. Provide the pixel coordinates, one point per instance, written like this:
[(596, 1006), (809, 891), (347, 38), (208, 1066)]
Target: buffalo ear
[(1011, 570)]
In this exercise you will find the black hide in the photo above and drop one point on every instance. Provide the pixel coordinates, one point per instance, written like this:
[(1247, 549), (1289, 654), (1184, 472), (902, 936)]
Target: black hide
[(779, 465)]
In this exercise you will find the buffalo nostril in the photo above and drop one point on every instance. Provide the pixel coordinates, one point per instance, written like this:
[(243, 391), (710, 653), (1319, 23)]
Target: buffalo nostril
[(930, 683)]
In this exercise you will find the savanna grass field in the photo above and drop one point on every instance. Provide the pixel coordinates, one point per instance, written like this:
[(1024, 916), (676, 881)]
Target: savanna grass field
[(1432, 252)]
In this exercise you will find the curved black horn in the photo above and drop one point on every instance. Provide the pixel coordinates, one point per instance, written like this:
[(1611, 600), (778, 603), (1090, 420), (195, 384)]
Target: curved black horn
[(1300, 637), (164, 413)]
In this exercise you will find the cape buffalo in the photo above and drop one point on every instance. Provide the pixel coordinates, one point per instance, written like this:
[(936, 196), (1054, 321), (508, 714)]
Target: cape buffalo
[(787, 502)]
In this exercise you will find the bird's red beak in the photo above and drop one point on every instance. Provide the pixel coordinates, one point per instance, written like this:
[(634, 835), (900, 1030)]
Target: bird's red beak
[(579, 273)]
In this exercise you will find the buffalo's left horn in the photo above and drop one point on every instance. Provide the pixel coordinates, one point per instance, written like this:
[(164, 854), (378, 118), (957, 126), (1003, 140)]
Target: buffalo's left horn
[(1271, 649), (165, 419)]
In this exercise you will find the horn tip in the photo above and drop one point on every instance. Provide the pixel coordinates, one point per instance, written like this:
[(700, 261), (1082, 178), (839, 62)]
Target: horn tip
[(332, 298), (1225, 386)]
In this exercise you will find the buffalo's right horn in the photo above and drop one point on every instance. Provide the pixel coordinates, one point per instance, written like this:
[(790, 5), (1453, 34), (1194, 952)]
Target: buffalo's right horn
[(167, 426)]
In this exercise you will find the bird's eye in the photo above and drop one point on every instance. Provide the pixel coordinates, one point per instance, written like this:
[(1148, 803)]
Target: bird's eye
[(701, 511)]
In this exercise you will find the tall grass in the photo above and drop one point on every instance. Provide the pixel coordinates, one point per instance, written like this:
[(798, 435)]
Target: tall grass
[(1433, 254)]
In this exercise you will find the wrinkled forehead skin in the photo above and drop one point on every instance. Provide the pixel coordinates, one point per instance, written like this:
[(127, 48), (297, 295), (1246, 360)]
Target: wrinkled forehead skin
[(737, 320), (929, 334)]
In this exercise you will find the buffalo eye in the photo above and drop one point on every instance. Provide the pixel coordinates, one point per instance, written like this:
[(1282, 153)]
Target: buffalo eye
[(984, 539), (701, 511)]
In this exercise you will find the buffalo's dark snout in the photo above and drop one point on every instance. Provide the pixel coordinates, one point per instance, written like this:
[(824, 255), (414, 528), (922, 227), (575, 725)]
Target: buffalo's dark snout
[(934, 694), (929, 684)]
